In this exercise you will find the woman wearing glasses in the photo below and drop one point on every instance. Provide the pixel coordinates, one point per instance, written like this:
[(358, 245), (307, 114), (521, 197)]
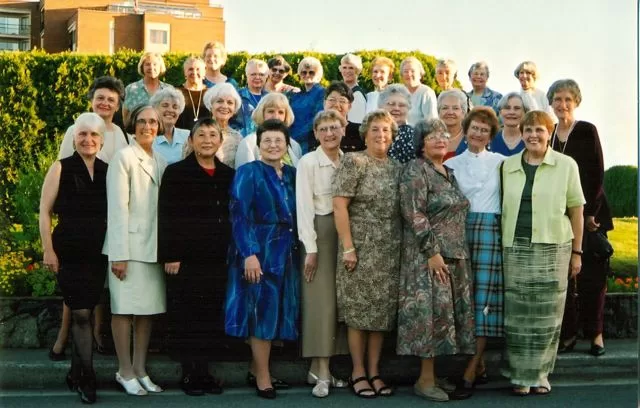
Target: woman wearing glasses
[(435, 311), (279, 69), (308, 102), (256, 71)]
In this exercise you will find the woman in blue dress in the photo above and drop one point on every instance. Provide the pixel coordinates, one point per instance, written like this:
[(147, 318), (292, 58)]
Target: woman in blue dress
[(263, 287), (308, 102)]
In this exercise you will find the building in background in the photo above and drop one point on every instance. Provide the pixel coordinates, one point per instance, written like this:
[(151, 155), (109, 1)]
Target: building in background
[(103, 26)]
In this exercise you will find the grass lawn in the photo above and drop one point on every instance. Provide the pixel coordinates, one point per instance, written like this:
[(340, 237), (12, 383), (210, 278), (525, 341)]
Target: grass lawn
[(624, 239)]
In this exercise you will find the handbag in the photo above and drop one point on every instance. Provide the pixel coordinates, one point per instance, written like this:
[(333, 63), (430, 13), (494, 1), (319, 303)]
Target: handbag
[(597, 245)]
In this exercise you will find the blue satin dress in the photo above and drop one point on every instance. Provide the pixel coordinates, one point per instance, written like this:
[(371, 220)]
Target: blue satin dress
[(263, 216)]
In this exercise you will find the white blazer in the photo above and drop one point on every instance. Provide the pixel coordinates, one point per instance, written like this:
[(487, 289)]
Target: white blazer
[(133, 183)]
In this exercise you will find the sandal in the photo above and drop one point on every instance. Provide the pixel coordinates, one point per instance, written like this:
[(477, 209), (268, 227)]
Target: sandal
[(521, 391), (132, 386), (381, 391), (370, 393), (543, 389)]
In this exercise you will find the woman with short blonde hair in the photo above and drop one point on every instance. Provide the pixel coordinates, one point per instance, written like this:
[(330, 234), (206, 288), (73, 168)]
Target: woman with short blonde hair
[(381, 74), (151, 67), (214, 55)]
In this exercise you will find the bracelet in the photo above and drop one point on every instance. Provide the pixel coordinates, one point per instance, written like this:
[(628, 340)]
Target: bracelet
[(575, 252), (349, 251)]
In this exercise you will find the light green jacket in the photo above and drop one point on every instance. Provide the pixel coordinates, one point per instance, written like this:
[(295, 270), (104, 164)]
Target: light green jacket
[(556, 187)]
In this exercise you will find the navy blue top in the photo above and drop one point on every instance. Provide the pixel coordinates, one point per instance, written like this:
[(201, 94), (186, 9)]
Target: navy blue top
[(498, 145)]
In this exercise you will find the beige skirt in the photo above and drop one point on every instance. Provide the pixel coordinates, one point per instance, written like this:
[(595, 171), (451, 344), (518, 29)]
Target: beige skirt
[(322, 335), (142, 292)]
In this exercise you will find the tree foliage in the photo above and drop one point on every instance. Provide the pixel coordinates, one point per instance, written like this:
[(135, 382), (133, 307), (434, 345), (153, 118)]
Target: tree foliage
[(621, 188)]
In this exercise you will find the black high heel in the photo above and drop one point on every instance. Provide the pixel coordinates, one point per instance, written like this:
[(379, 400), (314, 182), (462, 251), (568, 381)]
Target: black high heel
[(72, 382), (87, 389)]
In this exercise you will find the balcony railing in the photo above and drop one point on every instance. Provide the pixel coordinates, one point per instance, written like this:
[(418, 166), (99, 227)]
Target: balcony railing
[(176, 11), (15, 29)]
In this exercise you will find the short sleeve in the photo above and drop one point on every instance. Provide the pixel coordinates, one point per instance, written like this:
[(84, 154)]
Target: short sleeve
[(347, 176)]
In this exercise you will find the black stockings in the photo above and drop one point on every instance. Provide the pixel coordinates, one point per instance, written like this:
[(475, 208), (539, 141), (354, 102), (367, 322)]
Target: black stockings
[(82, 359)]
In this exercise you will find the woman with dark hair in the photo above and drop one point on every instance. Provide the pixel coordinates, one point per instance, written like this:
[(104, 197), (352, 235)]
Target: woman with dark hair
[(75, 190), (279, 69), (193, 243), (580, 141), (263, 296)]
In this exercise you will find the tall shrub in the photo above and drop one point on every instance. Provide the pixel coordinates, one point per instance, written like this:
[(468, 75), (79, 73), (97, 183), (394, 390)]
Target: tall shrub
[(621, 188)]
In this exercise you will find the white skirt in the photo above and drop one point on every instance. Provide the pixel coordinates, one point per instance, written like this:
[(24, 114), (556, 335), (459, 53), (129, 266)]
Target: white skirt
[(142, 292)]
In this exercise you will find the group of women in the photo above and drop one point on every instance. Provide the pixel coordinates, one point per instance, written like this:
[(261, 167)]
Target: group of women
[(428, 217)]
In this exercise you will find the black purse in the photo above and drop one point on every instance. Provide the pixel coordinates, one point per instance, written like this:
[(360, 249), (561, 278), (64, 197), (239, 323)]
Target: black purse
[(597, 246)]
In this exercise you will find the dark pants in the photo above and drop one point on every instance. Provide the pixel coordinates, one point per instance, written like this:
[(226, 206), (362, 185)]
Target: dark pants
[(584, 307)]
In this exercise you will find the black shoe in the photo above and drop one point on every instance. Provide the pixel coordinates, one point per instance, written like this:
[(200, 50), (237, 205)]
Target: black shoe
[(191, 386), (72, 381), (53, 356), (596, 350), (277, 384), (464, 389), (87, 389), (481, 379), (567, 348), (211, 385), (268, 393)]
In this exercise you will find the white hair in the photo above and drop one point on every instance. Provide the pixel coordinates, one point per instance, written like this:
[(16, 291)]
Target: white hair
[(220, 90)]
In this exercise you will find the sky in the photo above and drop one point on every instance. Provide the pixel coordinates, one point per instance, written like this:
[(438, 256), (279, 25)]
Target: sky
[(591, 41)]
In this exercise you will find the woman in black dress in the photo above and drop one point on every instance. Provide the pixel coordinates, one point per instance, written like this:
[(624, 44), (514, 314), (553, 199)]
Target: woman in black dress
[(193, 237), (75, 190)]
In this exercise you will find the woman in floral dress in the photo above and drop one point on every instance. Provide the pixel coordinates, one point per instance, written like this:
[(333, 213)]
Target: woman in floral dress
[(366, 212), (435, 311)]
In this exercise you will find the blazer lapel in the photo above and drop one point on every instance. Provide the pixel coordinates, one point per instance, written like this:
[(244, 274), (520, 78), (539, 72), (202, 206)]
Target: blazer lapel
[(144, 161)]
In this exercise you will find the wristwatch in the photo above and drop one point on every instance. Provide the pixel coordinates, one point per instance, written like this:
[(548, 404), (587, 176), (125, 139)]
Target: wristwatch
[(576, 252)]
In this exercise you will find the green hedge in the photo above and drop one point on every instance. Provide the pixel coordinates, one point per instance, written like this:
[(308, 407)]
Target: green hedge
[(41, 94), (621, 188)]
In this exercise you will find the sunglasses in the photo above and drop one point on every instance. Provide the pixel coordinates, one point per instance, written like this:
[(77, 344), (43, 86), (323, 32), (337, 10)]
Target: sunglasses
[(305, 73), (280, 71)]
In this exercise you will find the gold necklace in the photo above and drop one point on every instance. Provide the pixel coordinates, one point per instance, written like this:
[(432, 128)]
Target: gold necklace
[(196, 113)]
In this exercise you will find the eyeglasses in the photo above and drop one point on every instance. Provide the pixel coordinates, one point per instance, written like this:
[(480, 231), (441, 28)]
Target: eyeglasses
[(305, 73), (150, 122), (437, 136), (477, 129), (332, 128), (280, 71), (339, 101)]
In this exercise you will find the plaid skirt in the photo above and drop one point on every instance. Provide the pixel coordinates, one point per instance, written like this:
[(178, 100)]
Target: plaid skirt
[(535, 281), (485, 246)]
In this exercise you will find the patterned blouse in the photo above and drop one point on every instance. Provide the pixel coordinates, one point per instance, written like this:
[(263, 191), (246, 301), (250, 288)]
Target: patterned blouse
[(136, 94), (403, 148)]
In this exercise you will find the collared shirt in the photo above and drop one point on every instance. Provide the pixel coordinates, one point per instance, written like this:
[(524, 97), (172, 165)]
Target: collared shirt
[(536, 99), (372, 101), (249, 151), (136, 94), (488, 98), (423, 105), (358, 107), (171, 151), (313, 194), (479, 179), (556, 187)]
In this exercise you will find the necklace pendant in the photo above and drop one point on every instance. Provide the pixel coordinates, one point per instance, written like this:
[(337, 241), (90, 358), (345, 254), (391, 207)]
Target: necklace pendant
[(195, 119)]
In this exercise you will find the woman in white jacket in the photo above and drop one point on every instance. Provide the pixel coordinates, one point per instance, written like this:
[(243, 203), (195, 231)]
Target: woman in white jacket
[(136, 281)]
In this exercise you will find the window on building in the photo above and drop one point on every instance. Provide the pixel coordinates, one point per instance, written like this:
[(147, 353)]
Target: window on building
[(158, 37), (14, 45), (9, 25)]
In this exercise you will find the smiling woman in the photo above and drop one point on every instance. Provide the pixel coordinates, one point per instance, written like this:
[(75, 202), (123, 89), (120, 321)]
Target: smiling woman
[(224, 102), (169, 103)]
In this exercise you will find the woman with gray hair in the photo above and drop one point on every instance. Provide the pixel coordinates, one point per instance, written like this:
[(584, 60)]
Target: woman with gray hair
[(527, 74), (481, 94), (169, 103), (308, 102), (435, 306), (453, 106), (446, 74), (396, 100), (512, 108), (350, 68), (224, 102), (256, 71), (423, 99)]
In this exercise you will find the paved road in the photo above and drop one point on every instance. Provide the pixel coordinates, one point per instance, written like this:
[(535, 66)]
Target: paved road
[(622, 393)]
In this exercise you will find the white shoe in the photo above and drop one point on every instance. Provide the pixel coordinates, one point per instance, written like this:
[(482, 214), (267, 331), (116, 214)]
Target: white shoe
[(321, 389), (149, 385), (313, 379), (132, 386)]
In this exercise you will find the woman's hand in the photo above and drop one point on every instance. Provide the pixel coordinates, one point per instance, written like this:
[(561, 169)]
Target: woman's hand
[(310, 266), (575, 264), (50, 261), (591, 224), (350, 259), (438, 268), (252, 270), (172, 268), (119, 268)]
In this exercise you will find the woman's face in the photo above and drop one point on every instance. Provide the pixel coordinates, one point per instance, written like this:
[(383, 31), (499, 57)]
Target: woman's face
[(213, 59), (275, 112), (479, 78), (379, 137), (398, 106), (527, 81), (380, 76), (410, 75), (147, 123), (278, 73), (349, 72), (329, 133), (512, 112), (151, 68), (223, 108), (444, 77), (338, 103), (308, 75), (563, 104), (169, 110), (436, 145), (194, 72), (256, 78), (478, 136), (273, 145), (536, 138), (451, 111), (105, 103), (88, 141), (206, 141)]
